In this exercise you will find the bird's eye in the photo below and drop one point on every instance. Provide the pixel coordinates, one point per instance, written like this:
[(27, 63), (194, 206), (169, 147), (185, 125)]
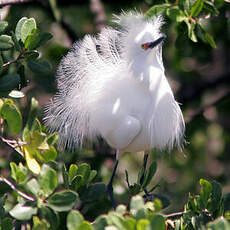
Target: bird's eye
[(145, 46)]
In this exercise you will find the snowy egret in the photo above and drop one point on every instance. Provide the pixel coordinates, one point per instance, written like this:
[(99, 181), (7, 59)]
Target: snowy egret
[(113, 85)]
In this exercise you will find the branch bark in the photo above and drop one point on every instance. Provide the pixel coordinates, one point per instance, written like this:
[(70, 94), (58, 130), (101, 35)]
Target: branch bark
[(98, 10), (11, 2), (12, 186)]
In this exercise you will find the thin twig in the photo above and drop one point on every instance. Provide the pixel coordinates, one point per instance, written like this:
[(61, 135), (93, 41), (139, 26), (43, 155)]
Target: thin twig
[(174, 215), (222, 96), (20, 56), (11, 2), (99, 12), (12, 186)]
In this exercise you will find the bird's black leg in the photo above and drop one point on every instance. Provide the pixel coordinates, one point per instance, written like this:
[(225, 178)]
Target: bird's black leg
[(110, 185), (144, 166)]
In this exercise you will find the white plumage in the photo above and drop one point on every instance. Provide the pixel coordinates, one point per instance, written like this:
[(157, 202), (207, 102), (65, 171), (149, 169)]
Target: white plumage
[(110, 86)]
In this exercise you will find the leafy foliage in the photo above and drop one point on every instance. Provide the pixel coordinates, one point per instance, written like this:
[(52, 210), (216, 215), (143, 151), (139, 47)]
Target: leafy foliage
[(192, 13), (44, 193)]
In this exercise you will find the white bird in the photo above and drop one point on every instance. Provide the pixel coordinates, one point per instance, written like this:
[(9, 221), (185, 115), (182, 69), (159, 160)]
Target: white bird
[(113, 85)]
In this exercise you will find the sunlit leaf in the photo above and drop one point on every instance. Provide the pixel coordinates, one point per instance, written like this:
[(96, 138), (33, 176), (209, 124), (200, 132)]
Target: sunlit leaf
[(49, 180), (72, 171), (32, 163), (18, 27), (156, 10), (21, 212), (196, 8), (13, 117), (33, 186), (74, 219), (27, 27)]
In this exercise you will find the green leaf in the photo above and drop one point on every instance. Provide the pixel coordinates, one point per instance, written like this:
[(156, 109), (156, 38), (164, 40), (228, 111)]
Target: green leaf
[(211, 8), (101, 222), (85, 226), (51, 216), (16, 42), (205, 191), (137, 203), (150, 174), (94, 192), (77, 182), (40, 224), (27, 27), (84, 170), (156, 10), (5, 42), (157, 222), (191, 29), (21, 212), (63, 201), (32, 40), (165, 202), (184, 5), (32, 115), (219, 224), (41, 66), (13, 170), (43, 38), (13, 117), (143, 224), (52, 139), (1, 63), (3, 25), (209, 39), (135, 189), (2, 203), (74, 219), (216, 196), (72, 171), (31, 162), (34, 187), (196, 8), (49, 180), (7, 223), (92, 175), (16, 94), (65, 176), (49, 154), (9, 82), (175, 14), (31, 54), (19, 27), (226, 201)]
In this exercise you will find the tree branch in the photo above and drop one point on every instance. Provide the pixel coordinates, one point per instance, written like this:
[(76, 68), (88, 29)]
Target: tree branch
[(12, 186), (11, 2), (98, 10), (194, 91), (219, 98)]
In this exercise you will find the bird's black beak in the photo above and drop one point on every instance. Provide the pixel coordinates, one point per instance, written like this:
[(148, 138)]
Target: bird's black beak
[(154, 43)]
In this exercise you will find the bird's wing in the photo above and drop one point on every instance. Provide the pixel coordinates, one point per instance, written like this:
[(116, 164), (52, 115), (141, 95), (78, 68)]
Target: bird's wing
[(81, 75)]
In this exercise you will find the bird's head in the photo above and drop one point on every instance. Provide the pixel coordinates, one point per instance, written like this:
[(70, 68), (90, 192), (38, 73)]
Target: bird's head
[(141, 37)]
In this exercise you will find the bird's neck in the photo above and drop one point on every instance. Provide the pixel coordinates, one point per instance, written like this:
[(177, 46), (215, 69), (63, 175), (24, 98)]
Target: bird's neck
[(146, 70)]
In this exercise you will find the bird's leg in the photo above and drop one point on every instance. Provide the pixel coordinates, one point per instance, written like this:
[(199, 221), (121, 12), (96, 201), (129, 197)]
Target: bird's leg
[(144, 167), (110, 184)]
